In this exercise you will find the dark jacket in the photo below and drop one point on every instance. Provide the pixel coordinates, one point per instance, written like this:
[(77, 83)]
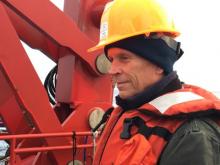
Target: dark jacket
[(196, 142)]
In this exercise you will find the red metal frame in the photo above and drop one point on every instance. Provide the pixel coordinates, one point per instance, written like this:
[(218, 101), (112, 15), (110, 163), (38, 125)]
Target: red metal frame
[(24, 105), (14, 138)]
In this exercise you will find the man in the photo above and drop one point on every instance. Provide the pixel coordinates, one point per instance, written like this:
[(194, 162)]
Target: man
[(158, 120)]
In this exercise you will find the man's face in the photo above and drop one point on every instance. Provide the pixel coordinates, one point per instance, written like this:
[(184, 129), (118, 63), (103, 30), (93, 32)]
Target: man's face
[(132, 73)]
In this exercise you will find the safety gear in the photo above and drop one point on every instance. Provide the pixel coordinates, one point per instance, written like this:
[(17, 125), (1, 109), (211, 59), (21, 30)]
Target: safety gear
[(126, 18), (160, 117)]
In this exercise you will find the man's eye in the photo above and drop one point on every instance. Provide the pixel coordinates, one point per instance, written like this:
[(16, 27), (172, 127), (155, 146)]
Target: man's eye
[(123, 58)]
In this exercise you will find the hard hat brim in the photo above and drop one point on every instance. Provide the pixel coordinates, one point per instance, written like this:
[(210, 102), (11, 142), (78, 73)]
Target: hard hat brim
[(102, 44)]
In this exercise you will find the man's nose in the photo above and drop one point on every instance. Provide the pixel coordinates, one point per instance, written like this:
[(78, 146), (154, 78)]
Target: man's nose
[(114, 68)]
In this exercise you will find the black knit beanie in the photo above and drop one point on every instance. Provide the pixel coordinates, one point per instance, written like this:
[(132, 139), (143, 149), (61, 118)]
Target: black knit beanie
[(154, 50)]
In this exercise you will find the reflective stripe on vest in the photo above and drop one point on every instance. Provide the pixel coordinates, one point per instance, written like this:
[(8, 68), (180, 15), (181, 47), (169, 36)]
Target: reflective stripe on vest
[(166, 101)]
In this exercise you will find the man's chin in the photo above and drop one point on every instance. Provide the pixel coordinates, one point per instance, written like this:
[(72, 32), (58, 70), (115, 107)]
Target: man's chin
[(124, 95)]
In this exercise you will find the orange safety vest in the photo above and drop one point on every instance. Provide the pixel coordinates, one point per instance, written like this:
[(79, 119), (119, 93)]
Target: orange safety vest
[(145, 147)]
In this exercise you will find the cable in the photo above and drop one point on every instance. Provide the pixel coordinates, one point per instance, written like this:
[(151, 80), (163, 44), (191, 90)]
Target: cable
[(84, 150), (74, 145), (50, 85)]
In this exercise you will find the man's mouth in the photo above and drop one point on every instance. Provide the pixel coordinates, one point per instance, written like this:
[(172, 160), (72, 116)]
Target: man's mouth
[(121, 83)]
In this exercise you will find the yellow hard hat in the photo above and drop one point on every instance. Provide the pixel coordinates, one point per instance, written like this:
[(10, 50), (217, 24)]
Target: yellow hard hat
[(126, 18)]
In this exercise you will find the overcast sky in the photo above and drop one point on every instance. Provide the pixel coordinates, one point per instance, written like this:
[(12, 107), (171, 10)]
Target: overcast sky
[(199, 24)]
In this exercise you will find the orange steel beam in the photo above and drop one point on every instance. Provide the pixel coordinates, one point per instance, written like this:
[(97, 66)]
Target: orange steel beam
[(54, 148), (26, 87), (45, 135), (43, 26)]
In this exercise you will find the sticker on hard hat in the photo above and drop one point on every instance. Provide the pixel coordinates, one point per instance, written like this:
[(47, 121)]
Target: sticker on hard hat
[(104, 31)]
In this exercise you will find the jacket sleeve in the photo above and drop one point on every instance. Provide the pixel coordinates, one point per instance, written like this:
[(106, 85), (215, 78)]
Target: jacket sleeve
[(195, 142)]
